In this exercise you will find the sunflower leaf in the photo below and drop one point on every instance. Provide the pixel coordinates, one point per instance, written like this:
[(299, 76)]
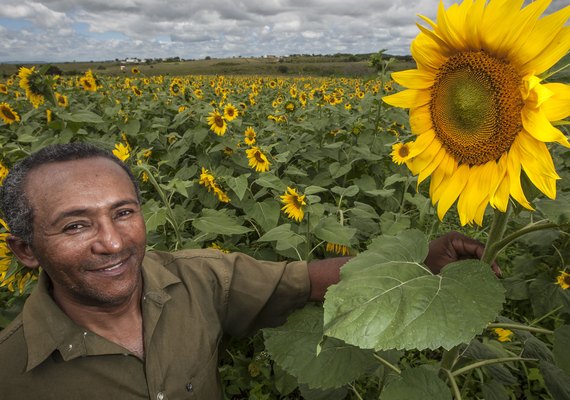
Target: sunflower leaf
[(330, 230), (293, 347), (387, 299), (417, 383), (213, 221)]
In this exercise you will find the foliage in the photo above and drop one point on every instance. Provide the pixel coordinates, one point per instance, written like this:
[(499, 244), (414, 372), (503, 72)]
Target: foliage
[(330, 140)]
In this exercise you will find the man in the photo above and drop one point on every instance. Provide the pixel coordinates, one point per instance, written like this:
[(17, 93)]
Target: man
[(106, 320)]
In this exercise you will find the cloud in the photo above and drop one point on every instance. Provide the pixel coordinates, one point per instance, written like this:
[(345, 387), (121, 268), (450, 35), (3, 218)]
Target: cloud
[(109, 29)]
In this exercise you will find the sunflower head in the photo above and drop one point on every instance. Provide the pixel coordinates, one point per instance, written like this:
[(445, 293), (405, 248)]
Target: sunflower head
[(8, 115), (481, 113), (294, 204), (34, 84)]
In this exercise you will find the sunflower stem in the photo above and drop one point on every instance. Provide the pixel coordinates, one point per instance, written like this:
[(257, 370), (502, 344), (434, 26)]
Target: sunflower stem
[(448, 360), (498, 227), (483, 363), (538, 226), (519, 327)]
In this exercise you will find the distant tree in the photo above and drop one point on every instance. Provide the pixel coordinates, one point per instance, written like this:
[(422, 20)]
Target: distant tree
[(376, 60), (282, 69), (207, 58), (54, 70)]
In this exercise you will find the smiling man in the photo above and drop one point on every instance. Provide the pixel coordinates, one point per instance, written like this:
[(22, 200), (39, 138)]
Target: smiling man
[(109, 321)]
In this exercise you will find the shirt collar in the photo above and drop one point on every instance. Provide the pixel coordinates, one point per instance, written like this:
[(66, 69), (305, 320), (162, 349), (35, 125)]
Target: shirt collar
[(47, 328)]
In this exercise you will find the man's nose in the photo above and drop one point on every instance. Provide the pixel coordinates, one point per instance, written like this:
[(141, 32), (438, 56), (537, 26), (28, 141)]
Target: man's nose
[(109, 240)]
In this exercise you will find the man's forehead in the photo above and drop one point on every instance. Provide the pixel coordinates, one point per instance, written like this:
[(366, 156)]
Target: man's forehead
[(74, 172)]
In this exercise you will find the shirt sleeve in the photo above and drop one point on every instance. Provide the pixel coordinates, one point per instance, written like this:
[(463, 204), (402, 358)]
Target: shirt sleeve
[(262, 293)]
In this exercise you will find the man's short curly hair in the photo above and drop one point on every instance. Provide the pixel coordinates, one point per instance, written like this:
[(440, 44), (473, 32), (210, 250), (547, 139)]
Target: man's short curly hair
[(15, 206)]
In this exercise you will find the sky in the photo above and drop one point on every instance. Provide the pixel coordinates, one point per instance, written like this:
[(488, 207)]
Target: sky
[(98, 30)]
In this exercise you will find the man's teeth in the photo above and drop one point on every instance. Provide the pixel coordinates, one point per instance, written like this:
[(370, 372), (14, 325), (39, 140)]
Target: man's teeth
[(113, 267)]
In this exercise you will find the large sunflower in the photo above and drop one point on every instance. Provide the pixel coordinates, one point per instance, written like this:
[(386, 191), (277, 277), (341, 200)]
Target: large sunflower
[(479, 106)]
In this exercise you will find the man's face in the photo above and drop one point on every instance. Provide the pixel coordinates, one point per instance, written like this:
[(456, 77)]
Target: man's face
[(89, 233)]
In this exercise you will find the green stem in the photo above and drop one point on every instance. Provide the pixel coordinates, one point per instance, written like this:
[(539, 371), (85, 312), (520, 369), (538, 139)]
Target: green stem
[(484, 363), (355, 391), (454, 387), (520, 327), (554, 311), (162, 196), (388, 364), (498, 227), (537, 226)]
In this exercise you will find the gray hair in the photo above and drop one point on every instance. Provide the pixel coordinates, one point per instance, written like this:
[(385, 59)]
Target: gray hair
[(14, 204)]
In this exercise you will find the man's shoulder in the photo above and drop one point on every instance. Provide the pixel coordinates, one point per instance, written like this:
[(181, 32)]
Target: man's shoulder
[(165, 257), (13, 349)]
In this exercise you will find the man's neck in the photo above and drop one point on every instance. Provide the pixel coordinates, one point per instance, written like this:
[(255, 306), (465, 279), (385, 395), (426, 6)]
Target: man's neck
[(118, 323)]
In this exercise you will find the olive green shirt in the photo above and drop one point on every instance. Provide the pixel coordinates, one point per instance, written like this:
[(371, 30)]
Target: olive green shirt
[(190, 300)]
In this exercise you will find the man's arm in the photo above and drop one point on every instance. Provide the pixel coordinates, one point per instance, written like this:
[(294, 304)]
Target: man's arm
[(446, 249)]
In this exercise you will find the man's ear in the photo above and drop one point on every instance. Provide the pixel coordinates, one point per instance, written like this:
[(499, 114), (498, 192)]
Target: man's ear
[(23, 251)]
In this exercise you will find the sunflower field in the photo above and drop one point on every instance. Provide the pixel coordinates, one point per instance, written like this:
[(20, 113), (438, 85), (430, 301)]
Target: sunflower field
[(474, 140)]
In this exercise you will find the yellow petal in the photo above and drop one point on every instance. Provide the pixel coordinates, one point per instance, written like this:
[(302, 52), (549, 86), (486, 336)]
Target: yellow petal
[(497, 21), (441, 176), (423, 160), (427, 54), (420, 119), (499, 193), (537, 163), (475, 192), (421, 143), (514, 174), (432, 165), (545, 44), (455, 187), (408, 98), (450, 26), (537, 124), (557, 107), (414, 79), (472, 24)]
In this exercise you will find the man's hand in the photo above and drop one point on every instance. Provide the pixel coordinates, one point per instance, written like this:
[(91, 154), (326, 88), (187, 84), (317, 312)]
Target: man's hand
[(452, 247)]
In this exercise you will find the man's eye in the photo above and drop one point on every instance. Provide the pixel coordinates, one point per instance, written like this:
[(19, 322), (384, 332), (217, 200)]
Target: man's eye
[(124, 213), (74, 227)]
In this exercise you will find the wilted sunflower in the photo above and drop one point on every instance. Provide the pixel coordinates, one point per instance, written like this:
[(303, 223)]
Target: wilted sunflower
[(294, 203), (217, 123), (257, 160), (337, 248), (230, 112), (7, 114), (250, 136), (34, 84), (479, 106), (503, 335)]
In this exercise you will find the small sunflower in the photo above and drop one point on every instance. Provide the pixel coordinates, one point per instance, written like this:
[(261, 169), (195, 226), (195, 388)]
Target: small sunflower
[(294, 203), (121, 151), (230, 112), (250, 136), (217, 123), (257, 160), (3, 172), (176, 88), (401, 153), (136, 91), (504, 335), (563, 280), (62, 100), (49, 115), (8, 114), (34, 85), (479, 107), (88, 83), (3, 88), (135, 70), (207, 179)]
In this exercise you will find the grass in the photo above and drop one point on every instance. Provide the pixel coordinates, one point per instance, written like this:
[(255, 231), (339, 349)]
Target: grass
[(302, 65)]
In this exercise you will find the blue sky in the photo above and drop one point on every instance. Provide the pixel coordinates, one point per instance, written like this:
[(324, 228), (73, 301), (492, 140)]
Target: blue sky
[(84, 30)]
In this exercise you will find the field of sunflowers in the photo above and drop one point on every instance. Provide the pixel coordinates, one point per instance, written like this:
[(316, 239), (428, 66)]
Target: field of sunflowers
[(474, 140)]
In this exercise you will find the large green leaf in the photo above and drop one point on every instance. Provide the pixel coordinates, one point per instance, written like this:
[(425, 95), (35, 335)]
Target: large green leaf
[(238, 185), (284, 237), (417, 383), (266, 213), (387, 299), (556, 380), (561, 346), (557, 211), (294, 345), (219, 222), (330, 230)]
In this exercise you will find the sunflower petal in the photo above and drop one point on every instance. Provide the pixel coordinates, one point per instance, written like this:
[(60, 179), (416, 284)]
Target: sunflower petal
[(420, 119), (441, 176), (497, 21), (414, 79), (547, 43), (408, 98), (499, 193), (428, 55), (537, 163), (537, 124), (455, 187), (557, 107), (514, 174), (421, 143)]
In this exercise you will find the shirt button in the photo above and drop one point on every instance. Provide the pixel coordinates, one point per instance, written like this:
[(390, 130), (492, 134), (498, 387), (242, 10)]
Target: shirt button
[(160, 396), (189, 387)]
